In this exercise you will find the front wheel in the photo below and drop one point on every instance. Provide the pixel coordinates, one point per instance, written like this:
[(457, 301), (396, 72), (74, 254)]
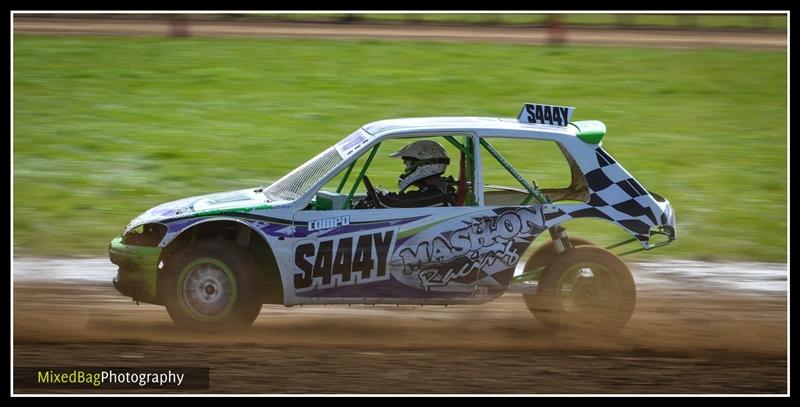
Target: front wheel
[(586, 288), (211, 286)]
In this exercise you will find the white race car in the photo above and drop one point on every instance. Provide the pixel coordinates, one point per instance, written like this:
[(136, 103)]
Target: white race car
[(309, 238)]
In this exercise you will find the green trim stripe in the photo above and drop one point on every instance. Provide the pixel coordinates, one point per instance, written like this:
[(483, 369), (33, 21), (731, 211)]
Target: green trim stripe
[(228, 210)]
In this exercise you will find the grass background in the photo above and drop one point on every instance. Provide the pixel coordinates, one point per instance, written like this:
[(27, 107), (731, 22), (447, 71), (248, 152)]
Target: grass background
[(105, 128)]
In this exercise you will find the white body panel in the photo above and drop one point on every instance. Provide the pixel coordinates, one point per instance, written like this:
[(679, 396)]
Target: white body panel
[(444, 255)]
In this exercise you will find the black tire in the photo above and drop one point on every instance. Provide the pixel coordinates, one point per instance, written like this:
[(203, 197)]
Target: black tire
[(586, 288), (211, 286), (545, 253)]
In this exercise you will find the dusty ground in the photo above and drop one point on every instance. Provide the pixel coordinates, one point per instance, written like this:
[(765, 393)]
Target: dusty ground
[(678, 341), (30, 24)]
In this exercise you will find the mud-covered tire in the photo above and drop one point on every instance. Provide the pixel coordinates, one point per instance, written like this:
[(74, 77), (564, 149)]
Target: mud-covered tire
[(212, 286), (587, 288)]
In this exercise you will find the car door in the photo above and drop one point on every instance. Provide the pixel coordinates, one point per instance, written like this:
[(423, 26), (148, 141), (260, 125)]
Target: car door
[(409, 255)]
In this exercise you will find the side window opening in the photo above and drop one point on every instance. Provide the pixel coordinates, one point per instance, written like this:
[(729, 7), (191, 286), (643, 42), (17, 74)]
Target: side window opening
[(578, 189), (521, 171), (335, 193), (383, 172)]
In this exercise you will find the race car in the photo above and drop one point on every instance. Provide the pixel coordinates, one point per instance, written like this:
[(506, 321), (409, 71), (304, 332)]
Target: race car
[(312, 237)]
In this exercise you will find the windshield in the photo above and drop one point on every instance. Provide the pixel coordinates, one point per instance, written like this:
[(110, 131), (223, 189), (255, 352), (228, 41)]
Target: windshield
[(297, 182)]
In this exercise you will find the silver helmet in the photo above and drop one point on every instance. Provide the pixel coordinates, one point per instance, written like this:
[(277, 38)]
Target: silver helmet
[(423, 158)]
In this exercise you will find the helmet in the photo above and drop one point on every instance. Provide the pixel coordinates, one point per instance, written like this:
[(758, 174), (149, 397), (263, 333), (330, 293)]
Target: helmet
[(424, 158)]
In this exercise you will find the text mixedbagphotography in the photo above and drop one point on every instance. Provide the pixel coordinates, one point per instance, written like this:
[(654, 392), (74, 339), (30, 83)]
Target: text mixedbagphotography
[(56, 377)]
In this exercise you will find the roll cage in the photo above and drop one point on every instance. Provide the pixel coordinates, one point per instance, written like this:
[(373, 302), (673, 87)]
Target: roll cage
[(470, 177), (579, 142), (576, 191)]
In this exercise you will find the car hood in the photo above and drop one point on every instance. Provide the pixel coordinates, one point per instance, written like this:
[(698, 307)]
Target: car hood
[(242, 200)]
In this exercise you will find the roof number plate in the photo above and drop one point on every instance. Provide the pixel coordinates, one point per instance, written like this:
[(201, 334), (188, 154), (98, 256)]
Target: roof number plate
[(548, 115)]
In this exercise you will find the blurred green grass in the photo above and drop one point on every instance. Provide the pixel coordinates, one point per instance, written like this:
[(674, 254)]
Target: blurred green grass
[(105, 128)]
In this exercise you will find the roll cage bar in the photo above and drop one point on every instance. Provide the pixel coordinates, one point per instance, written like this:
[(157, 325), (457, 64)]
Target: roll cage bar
[(466, 150)]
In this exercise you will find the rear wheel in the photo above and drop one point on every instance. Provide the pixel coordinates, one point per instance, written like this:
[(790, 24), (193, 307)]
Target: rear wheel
[(586, 288), (541, 257), (211, 286)]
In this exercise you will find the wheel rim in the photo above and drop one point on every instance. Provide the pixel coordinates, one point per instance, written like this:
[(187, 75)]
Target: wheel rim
[(207, 290), (588, 291)]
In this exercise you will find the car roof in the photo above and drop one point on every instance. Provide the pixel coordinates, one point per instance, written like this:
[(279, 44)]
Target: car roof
[(484, 126)]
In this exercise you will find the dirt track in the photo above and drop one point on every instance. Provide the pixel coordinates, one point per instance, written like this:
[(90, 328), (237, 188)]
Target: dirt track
[(678, 341), (529, 35)]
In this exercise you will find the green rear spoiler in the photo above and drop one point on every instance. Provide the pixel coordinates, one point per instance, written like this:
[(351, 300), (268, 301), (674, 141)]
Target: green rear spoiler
[(590, 131)]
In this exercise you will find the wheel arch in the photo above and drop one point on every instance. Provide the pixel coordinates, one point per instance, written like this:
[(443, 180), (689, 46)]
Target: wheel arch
[(545, 252), (541, 254), (242, 234), (636, 228)]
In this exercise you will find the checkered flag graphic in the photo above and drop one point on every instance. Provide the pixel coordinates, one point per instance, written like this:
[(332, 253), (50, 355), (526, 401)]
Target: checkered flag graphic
[(616, 196)]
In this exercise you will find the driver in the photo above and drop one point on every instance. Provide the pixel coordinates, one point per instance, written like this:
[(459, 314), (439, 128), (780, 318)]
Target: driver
[(425, 162)]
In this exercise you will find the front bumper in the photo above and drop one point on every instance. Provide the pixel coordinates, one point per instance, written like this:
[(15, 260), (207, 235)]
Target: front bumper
[(138, 270)]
